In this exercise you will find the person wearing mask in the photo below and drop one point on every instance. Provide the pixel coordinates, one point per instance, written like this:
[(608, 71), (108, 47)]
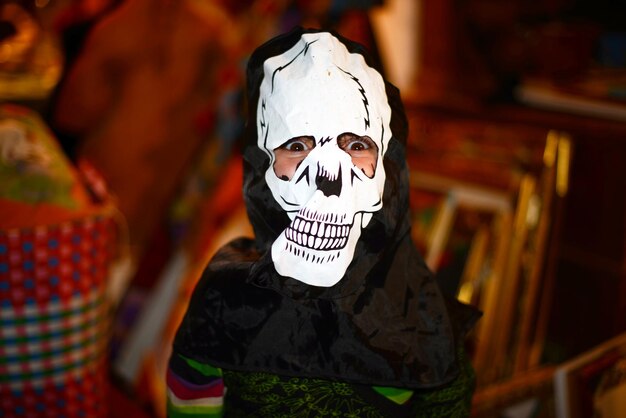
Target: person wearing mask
[(330, 310)]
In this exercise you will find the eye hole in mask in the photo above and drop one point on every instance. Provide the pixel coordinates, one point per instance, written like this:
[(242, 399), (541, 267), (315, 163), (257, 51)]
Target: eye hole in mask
[(290, 154), (362, 149)]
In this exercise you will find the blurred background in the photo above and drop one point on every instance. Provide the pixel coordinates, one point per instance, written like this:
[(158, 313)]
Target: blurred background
[(120, 175)]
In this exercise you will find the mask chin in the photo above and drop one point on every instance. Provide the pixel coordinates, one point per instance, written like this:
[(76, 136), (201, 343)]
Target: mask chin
[(317, 258)]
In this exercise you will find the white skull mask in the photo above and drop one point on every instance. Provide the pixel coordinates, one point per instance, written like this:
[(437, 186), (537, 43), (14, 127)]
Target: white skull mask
[(323, 119)]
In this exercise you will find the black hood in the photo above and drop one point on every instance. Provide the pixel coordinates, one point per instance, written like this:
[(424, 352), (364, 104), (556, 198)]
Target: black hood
[(385, 322), (389, 225)]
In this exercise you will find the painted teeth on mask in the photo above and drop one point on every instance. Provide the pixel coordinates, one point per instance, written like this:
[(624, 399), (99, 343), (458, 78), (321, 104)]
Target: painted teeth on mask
[(326, 258), (319, 232)]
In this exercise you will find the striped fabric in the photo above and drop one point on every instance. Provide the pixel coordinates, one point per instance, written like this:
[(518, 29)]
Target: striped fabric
[(53, 319), (194, 389)]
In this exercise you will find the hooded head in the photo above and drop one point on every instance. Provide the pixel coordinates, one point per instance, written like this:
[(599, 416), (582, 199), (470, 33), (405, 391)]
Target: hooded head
[(320, 115)]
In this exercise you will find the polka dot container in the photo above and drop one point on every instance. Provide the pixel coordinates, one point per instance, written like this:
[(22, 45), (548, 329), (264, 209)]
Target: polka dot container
[(54, 319)]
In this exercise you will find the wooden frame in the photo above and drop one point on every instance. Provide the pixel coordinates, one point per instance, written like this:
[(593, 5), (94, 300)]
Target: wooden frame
[(504, 266), (485, 258), (578, 380)]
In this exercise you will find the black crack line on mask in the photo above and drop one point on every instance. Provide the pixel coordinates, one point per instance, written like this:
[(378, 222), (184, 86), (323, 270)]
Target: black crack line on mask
[(289, 203), (262, 121), (362, 91), (305, 174), (324, 140), (265, 129), (315, 231), (302, 52), (355, 175)]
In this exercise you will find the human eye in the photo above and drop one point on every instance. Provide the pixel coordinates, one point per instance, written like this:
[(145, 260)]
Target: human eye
[(359, 145), (350, 142), (299, 144), (290, 154)]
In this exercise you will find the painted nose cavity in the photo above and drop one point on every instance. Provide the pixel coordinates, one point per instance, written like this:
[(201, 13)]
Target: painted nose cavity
[(327, 183)]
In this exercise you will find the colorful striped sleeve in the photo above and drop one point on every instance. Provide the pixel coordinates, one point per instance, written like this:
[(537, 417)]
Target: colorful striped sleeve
[(194, 389)]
